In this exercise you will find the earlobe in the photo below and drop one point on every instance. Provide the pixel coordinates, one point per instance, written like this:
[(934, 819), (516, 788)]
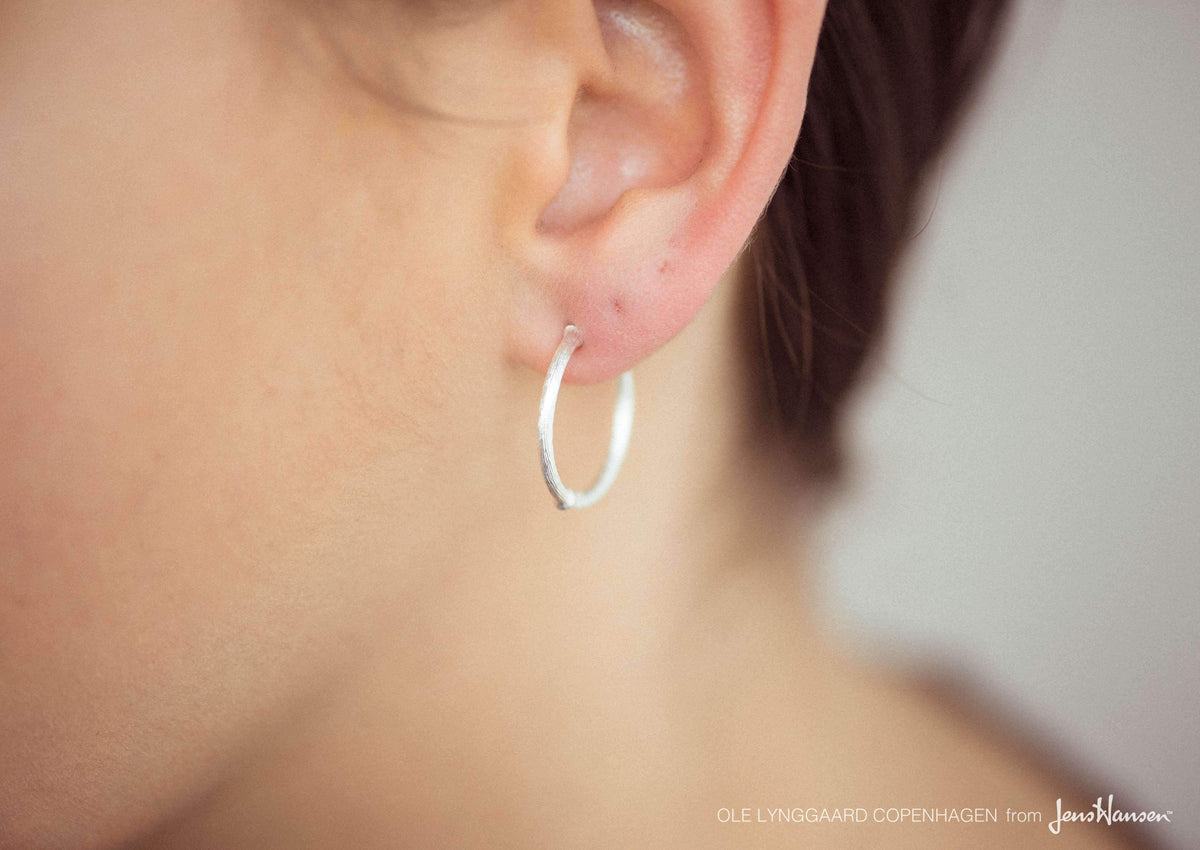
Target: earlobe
[(673, 152)]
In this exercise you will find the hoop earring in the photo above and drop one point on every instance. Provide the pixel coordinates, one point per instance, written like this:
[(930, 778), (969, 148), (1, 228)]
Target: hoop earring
[(622, 427)]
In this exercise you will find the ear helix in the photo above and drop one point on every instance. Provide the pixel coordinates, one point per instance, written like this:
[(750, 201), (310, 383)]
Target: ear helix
[(622, 427)]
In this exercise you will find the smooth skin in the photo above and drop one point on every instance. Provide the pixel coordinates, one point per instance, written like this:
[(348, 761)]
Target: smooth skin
[(279, 282)]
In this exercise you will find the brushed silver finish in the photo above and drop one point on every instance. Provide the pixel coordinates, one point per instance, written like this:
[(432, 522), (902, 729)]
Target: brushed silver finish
[(622, 428)]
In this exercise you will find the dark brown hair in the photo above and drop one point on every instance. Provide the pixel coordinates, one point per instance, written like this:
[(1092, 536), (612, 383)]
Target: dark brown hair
[(890, 80)]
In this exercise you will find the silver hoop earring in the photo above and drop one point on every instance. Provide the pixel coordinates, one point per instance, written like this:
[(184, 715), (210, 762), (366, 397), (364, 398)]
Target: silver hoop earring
[(622, 427)]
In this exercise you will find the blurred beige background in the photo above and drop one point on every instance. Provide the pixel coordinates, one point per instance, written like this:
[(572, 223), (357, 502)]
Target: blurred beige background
[(1026, 502)]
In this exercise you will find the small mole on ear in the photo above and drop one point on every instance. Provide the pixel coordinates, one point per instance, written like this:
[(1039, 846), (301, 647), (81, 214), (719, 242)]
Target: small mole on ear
[(662, 269), (617, 306)]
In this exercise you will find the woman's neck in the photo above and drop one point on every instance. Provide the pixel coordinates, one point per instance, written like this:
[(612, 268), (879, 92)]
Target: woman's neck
[(547, 661)]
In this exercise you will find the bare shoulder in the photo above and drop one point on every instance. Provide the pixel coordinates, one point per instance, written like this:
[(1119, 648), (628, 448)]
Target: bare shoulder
[(962, 765), (785, 743), (855, 757)]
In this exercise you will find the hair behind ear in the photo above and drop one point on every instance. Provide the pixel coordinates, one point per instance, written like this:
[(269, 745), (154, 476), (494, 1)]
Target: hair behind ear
[(889, 82)]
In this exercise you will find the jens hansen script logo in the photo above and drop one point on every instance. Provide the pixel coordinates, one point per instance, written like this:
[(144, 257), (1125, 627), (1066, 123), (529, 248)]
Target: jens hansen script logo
[(1105, 814)]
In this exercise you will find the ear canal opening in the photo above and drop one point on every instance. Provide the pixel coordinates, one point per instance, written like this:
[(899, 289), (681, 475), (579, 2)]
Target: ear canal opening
[(648, 129)]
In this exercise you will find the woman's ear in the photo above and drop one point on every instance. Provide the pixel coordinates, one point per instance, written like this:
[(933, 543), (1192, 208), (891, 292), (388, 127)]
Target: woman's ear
[(662, 156)]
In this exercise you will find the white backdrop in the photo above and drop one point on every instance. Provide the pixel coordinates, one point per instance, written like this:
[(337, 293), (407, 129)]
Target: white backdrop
[(1026, 497)]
